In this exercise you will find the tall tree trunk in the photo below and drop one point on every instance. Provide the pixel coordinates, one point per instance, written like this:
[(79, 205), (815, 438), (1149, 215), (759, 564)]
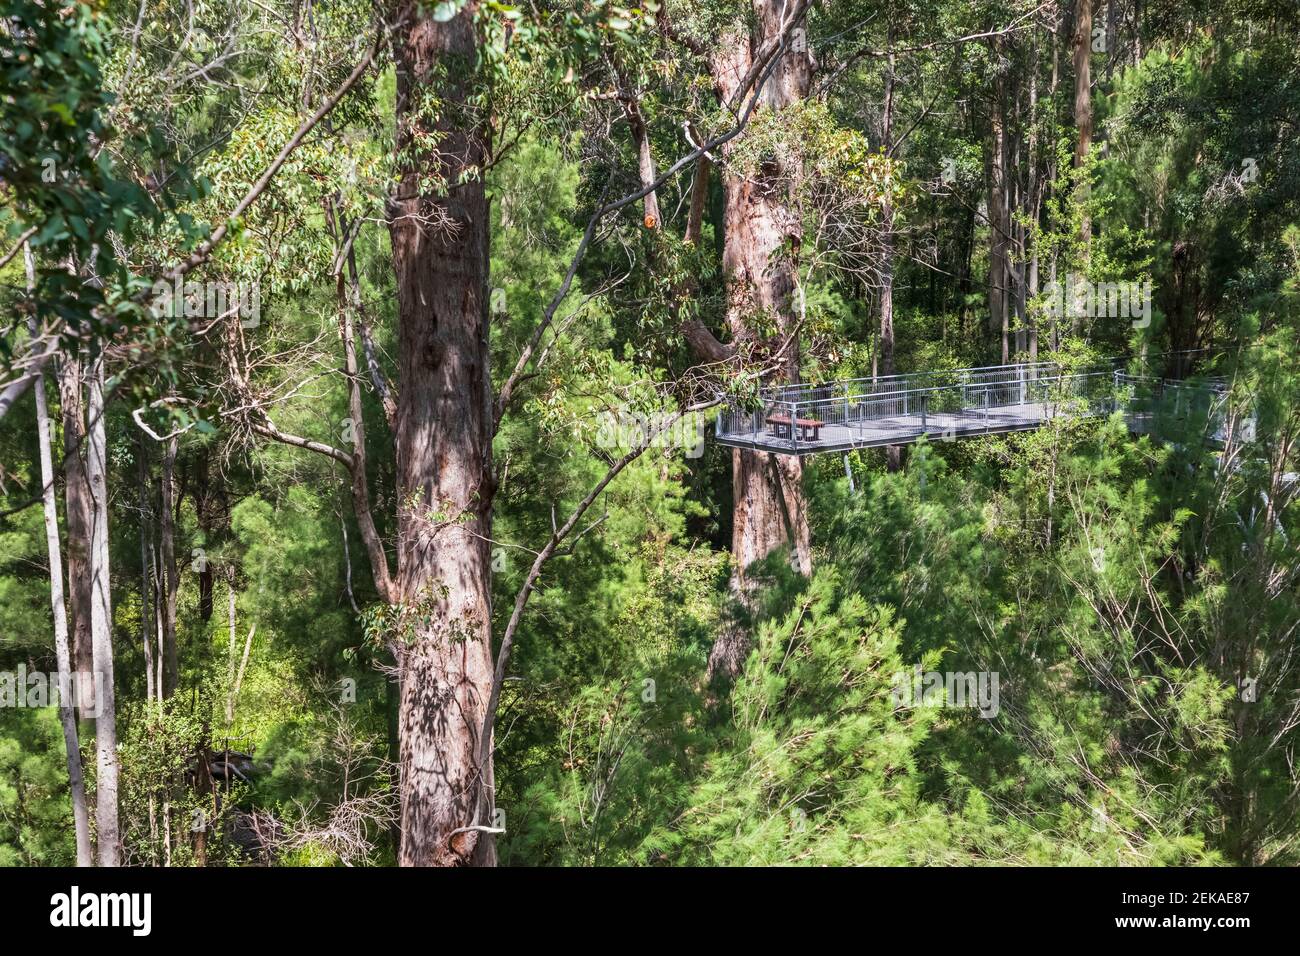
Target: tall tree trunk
[(1058, 31), (760, 234), (894, 454), (76, 491), (160, 578), (998, 218), (1016, 211), (147, 591), (62, 652), (965, 281), (170, 656), (1083, 107), (207, 510), (233, 645), (1137, 32), (645, 163), (444, 445), (1035, 199), (1113, 15), (101, 621)]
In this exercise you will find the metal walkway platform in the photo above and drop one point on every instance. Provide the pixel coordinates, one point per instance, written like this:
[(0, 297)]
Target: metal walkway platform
[(900, 409)]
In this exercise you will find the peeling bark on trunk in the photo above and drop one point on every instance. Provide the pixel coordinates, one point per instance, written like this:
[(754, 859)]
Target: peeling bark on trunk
[(444, 447), (645, 163), (76, 492), (762, 237)]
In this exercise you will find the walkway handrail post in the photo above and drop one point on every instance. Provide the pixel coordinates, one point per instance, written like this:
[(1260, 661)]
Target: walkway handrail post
[(925, 402)]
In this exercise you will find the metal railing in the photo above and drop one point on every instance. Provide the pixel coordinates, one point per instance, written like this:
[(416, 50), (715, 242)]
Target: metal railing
[(1163, 405), (911, 381), (898, 409), (973, 401)]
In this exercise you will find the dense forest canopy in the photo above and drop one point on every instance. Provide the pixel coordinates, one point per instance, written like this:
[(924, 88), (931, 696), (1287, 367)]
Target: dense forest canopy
[(365, 492)]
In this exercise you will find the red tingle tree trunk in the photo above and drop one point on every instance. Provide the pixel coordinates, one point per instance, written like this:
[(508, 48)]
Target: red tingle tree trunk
[(761, 240), (439, 229)]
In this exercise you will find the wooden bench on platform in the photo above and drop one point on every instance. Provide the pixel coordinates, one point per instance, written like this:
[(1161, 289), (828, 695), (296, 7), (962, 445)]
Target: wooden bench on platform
[(809, 428)]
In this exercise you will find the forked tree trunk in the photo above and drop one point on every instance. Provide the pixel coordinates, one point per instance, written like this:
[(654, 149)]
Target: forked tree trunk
[(444, 444), (761, 237), (62, 652), (101, 622)]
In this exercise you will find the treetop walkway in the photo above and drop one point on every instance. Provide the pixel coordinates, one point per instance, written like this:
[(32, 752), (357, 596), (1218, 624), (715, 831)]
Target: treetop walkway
[(957, 403)]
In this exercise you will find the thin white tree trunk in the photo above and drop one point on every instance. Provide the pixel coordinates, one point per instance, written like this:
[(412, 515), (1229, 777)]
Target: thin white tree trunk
[(233, 700), (158, 623), (101, 622), (62, 652), (234, 641), (167, 650), (146, 568)]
